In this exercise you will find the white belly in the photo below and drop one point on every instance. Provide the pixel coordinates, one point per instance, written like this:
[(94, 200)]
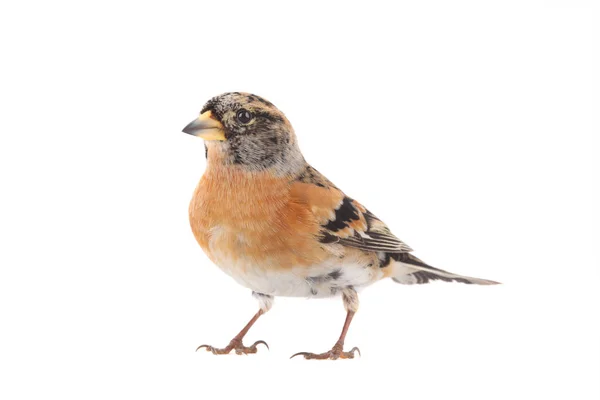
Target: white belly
[(321, 280), (316, 281)]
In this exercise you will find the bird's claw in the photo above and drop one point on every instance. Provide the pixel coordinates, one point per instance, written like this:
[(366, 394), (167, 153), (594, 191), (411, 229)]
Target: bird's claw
[(261, 342), (234, 345), (208, 348), (332, 354)]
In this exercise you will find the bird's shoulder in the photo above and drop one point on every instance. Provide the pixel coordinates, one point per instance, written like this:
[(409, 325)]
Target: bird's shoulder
[(342, 219)]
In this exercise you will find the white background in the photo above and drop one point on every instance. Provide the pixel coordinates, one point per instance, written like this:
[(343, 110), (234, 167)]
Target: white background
[(466, 126)]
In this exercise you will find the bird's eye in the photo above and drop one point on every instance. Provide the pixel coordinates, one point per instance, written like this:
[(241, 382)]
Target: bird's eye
[(244, 116)]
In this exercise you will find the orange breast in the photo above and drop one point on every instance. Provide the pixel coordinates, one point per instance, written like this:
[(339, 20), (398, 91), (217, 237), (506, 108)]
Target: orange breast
[(251, 220)]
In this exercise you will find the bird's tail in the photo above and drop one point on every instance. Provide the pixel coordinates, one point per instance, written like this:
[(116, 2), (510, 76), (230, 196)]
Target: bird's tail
[(410, 270)]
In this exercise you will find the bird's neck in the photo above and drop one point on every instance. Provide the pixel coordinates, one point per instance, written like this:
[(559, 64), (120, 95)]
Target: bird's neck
[(221, 161)]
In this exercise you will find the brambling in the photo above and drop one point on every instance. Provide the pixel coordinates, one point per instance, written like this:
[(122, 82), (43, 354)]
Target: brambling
[(279, 227)]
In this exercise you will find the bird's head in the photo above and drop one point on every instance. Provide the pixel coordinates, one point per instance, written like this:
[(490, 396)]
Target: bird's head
[(247, 131)]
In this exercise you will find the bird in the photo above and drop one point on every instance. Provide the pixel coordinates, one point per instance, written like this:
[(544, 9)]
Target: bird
[(278, 227)]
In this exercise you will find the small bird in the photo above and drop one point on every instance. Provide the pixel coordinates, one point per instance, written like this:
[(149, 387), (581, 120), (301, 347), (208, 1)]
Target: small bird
[(279, 227)]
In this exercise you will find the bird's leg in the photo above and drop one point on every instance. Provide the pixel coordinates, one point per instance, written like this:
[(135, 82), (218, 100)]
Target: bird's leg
[(337, 351), (236, 343)]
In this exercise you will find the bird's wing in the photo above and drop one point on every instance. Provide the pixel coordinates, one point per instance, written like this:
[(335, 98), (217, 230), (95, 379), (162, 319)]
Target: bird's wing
[(342, 219)]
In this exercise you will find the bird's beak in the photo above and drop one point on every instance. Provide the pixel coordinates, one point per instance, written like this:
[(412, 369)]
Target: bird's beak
[(206, 127)]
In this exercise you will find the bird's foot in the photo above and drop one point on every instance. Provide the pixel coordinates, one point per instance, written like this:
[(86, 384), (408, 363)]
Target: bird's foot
[(333, 354), (235, 344)]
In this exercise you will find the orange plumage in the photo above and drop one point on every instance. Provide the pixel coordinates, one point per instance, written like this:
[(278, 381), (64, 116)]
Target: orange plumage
[(279, 227)]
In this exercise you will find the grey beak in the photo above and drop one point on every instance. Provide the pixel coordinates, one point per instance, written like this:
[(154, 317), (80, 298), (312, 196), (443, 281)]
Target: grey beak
[(194, 127)]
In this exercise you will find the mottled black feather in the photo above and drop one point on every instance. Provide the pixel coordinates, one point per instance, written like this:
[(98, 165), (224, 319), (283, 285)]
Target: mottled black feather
[(344, 215)]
